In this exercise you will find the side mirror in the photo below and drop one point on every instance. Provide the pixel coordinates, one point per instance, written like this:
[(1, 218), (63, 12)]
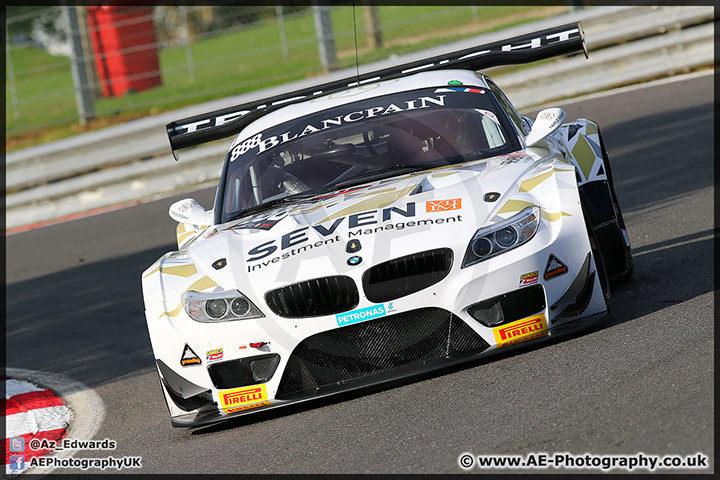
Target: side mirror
[(189, 211), (546, 122)]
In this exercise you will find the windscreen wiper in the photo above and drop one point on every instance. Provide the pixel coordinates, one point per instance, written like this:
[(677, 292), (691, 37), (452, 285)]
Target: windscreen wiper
[(278, 201)]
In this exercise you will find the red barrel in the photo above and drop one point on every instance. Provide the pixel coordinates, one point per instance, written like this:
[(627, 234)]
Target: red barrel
[(125, 48)]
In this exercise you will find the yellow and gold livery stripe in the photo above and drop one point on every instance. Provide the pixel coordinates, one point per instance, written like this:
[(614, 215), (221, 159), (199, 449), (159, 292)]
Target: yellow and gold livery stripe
[(530, 183), (591, 129), (202, 284), (512, 206), (584, 154), (176, 270), (442, 174), (553, 217)]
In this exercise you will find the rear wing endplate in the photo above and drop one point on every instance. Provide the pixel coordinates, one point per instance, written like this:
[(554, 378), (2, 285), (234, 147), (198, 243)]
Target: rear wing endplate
[(552, 42)]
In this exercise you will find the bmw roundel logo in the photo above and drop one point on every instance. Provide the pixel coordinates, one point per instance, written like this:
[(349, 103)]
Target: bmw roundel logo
[(352, 261)]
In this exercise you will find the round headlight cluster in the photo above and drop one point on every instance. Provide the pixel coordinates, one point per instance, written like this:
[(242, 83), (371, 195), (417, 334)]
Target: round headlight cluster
[(220, 306), (503, 238), (506, 237), (216, 308), (495, 239), (482, 247), (240, 307)]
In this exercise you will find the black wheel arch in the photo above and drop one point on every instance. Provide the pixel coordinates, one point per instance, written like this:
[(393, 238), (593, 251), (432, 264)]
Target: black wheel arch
[(605, 223)]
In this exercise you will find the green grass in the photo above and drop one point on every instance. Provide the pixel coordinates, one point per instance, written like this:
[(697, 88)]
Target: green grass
[(241, 61), (42, 79)]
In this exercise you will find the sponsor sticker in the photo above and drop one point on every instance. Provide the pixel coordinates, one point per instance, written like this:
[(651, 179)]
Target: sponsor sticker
[(218, 264), (259, 225), (245, 407), (513, 158), (214, 355), (554, 267), (529, 278), (189, 357), (266, 224), (443, 205), (360, 315), (242, 398), (521, 330), (353, 246), (491, 196), (524, 339), (263, 144)]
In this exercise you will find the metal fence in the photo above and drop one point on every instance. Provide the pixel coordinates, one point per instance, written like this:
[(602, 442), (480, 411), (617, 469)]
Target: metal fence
[(69, 64), (132, 161)]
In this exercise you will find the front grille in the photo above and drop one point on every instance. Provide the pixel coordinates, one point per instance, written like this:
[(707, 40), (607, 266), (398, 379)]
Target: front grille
[(405, 275), (313, 298), (376, 347)]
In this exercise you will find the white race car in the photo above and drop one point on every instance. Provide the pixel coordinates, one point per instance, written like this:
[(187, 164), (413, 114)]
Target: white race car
[(365, 233)]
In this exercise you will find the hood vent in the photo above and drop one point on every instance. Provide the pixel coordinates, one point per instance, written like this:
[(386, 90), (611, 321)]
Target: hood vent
[(405, 275), (314, 298)]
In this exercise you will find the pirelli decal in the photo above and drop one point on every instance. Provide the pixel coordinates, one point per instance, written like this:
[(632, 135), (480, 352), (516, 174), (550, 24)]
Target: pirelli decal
[(245, 407), (241, 398), (521, 330)]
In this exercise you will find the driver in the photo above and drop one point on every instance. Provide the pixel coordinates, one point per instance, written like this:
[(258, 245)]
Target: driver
[(449, 133)]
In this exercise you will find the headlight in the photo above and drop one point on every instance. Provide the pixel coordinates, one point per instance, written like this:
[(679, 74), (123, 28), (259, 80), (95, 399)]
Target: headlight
[(214, 307), (503, 236)]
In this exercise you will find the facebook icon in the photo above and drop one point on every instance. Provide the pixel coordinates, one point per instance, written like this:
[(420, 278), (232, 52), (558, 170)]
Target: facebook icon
[(17, 462)]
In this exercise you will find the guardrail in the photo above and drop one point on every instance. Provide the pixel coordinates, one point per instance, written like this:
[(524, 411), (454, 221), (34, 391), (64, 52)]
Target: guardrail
[(132, 161)]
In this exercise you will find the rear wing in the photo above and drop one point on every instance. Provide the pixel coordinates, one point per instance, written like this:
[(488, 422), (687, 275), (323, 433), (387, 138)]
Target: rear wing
[(552, 42)]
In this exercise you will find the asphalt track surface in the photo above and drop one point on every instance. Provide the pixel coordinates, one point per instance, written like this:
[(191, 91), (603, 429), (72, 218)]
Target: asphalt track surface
[(641, 383)]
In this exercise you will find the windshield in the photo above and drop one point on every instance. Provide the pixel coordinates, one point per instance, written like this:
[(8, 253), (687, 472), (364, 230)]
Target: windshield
[(362, 142)]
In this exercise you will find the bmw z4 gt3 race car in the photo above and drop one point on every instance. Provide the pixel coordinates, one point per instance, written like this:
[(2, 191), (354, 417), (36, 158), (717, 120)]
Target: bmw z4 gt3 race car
[(373, 228)]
